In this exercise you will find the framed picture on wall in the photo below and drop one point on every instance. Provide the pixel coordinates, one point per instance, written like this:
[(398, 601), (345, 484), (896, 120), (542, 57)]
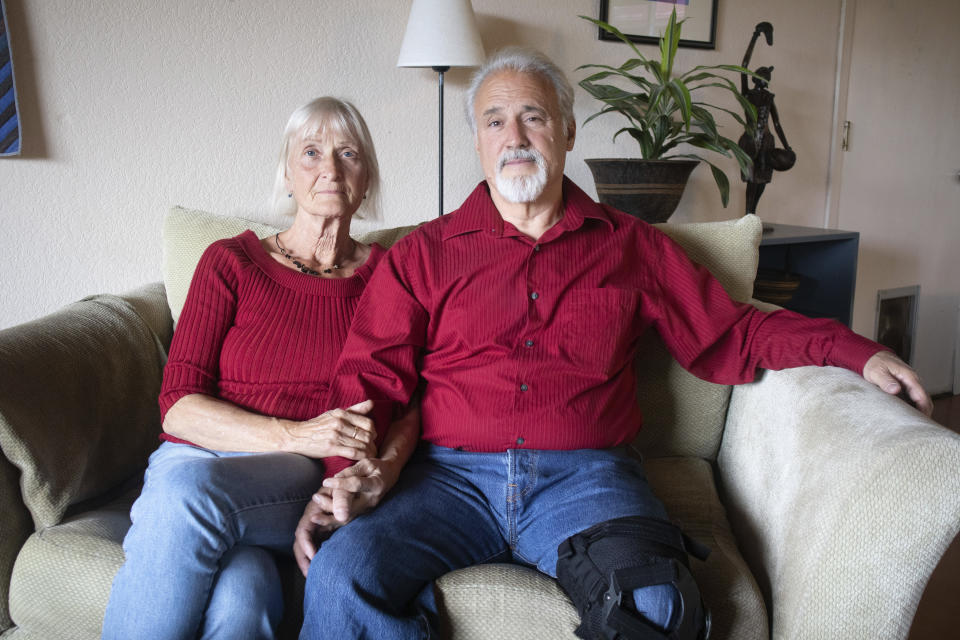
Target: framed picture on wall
[(645, 20)]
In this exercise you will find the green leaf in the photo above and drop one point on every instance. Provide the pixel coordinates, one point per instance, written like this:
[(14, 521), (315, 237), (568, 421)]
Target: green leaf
[(703, 143), (656, 97), (609, 28), (687, 78), (646, 146), (600, 113), (668, 45), (725, 67), (734, 114), (682, 96), (605, 92), (703, 119), (723, 184), (744, 160)]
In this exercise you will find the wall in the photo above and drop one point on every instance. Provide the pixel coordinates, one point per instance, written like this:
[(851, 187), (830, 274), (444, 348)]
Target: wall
[(128, 110), (901, 175)]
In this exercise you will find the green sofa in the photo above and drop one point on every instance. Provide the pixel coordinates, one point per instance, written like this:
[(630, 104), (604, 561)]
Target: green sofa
[(827, 503)]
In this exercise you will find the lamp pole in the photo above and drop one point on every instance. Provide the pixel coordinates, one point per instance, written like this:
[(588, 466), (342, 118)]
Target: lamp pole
[(440, 71), (440, 35)]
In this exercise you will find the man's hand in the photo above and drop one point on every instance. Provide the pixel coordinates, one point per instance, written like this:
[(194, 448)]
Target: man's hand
[(893, 375), (316, 524), (348, 494), (359, 488)]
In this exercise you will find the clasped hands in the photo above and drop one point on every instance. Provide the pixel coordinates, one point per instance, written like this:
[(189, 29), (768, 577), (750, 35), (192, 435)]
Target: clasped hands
[(350, 492)]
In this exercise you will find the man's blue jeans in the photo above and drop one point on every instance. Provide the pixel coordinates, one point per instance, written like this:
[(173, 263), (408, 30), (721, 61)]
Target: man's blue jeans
[(195, 564), (453, 509)]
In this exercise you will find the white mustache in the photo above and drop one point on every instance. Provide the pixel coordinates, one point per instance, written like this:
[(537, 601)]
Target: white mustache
[(519, 154)]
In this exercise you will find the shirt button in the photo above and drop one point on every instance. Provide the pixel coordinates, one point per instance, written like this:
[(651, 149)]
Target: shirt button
[(536, 247), (524, 387), (519, 440), (534, 295), (529, 343)]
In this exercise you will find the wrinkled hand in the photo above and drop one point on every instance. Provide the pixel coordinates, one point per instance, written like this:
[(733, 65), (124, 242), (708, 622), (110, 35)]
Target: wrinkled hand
[(359, 488), (347, 433), (348, 494), (316, 524), (893, 375)]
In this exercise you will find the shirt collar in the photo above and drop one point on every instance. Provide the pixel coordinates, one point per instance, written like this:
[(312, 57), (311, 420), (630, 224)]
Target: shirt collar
[(478, 213)]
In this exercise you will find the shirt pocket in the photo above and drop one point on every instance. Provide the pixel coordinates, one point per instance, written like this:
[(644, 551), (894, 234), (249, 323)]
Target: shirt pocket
[(599, 328)]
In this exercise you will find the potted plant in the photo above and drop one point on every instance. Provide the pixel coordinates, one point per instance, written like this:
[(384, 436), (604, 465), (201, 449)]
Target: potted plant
[(663, 114)]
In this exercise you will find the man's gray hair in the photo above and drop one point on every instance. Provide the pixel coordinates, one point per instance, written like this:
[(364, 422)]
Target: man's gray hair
[(523, 60)]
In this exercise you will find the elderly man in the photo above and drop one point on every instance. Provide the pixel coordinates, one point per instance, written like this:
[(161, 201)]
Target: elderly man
[(518, 316)]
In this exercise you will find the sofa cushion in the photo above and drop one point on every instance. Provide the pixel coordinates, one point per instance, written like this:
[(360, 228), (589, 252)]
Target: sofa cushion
[(729, 249), (504, 601), (62, 579), (507, 601), (78, 415), (186, 234), (687, 488)]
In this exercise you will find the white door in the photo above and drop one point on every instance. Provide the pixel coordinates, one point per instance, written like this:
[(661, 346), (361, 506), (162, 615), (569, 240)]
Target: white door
[(899, 180)]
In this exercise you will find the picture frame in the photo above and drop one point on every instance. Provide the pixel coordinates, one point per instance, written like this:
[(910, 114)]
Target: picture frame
[(643, 21)]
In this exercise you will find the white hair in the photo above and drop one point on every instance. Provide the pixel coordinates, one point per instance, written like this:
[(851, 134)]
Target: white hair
[(523, 60), (337, 117)]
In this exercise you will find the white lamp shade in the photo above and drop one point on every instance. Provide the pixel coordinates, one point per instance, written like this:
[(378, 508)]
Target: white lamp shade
[(441, 33)]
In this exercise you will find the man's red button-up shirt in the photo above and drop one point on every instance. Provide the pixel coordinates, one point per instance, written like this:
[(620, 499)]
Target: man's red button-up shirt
[(529, 343)]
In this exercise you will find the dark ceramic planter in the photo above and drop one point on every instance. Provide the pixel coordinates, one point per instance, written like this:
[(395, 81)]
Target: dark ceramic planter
[(647, 189)]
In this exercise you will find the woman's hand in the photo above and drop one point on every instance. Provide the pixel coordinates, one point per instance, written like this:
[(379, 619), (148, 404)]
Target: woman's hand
[(347, 433), (316, 524)]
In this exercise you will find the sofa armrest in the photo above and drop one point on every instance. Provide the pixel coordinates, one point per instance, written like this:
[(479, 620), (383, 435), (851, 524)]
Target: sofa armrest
[(843, 499), (78, 409), (15, 528)]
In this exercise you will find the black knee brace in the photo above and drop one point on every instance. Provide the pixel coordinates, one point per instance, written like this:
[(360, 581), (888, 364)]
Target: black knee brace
[(601, 566)]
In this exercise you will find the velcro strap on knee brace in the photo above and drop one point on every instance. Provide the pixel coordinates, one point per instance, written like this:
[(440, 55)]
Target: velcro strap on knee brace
[(600, 567)]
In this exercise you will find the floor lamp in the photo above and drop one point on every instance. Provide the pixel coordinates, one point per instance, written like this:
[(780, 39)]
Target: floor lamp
[(441, 34)]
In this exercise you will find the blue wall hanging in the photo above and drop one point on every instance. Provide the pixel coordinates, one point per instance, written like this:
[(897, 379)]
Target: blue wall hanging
[(9, 122)]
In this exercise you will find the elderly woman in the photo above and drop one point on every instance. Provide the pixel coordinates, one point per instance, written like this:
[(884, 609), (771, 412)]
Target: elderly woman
[(246, 438)]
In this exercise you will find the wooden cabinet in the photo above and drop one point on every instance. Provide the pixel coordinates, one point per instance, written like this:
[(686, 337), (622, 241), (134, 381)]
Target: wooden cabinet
[(824, 261)]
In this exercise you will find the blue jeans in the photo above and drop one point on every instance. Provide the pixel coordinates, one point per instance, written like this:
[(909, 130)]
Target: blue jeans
[(452, 509), (197, 563)]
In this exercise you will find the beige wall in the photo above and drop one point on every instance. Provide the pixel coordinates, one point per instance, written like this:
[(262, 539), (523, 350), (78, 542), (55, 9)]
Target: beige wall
[(127, 111)]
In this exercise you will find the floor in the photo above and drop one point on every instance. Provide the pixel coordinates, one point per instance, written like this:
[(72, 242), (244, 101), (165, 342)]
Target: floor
[(938, 615)]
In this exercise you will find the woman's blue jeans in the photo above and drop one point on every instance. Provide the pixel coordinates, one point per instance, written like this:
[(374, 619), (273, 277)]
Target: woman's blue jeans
[(197, 563), (452, 509)]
